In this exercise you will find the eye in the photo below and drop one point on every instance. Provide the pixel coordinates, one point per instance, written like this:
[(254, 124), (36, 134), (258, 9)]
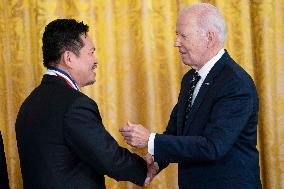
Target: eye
[(183, 35)]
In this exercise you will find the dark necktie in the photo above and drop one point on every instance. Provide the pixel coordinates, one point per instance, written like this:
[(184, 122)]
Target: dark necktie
[(195, 78)]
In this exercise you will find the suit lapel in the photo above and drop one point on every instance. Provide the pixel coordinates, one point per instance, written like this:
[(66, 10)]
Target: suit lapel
[(182, 102), (199, 98), (206, 85)]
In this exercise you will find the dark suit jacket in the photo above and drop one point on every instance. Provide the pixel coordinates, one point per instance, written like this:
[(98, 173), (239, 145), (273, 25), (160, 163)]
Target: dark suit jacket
[(217, 147), (62, 142), (4, 181)]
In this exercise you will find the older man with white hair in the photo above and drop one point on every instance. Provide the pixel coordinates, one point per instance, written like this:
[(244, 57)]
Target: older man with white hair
[(212, 131)]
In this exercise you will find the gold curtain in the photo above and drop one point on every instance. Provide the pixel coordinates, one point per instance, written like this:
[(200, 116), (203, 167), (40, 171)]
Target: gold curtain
[(140, 71)]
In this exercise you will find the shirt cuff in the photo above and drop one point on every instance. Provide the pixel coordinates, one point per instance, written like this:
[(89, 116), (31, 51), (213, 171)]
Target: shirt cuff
[(151, 143)]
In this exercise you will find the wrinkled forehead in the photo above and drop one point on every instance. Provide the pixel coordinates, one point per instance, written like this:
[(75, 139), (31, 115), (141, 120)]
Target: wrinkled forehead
[(187, 20)]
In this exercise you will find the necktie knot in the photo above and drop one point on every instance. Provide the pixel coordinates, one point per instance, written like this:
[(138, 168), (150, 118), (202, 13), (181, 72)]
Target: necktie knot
[(195, 77)]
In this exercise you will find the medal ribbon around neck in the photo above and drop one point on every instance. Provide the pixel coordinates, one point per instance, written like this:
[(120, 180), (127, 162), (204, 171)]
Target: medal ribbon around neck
[(59, 73)]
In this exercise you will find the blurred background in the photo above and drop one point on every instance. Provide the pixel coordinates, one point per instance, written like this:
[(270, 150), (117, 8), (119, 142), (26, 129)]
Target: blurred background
[(139, 72)]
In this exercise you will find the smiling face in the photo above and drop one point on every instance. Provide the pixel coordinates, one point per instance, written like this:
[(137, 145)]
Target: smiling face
[(191, 40), (84, 66)]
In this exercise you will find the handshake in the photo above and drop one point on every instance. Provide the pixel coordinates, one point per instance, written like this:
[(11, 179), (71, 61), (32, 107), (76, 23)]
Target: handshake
[(137, 136)]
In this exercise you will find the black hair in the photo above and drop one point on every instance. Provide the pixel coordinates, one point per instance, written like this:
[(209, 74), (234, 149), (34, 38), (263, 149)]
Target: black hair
[(59, 36)]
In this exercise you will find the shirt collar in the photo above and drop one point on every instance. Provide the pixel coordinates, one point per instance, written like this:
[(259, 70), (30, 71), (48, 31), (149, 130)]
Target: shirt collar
[(208, 66)]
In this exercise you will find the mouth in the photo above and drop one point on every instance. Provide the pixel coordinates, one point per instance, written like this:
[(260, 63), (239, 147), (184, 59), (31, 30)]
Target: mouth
[(94, 67), (182, 52)]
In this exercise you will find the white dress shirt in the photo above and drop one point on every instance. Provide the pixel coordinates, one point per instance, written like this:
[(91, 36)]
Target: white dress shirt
[(203, 72)]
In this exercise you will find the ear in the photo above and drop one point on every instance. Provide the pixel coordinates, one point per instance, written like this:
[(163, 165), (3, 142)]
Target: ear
[(67, 57), (211, 39)]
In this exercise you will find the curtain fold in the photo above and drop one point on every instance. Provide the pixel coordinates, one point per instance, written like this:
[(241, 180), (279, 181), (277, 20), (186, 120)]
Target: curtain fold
[(139, 71)]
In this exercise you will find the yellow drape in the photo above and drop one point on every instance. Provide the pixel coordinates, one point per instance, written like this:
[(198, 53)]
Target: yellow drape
[(139, 70)]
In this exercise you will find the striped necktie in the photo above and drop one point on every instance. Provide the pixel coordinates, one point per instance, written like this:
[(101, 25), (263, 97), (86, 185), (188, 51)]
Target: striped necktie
[(195, 78)]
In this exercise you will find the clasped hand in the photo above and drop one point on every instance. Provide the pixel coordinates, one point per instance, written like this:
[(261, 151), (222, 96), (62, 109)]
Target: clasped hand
[(135, 135), (153, 169)]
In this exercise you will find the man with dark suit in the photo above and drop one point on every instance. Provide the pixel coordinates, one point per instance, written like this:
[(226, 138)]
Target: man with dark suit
[(61, 139), (212, 131), (4, 181)]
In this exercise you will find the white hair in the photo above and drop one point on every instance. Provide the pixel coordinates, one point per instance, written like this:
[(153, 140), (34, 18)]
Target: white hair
[(209, 17)]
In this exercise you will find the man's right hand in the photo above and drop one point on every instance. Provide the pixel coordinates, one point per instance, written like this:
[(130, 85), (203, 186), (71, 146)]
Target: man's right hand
[(135, 135), (153, 169)]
